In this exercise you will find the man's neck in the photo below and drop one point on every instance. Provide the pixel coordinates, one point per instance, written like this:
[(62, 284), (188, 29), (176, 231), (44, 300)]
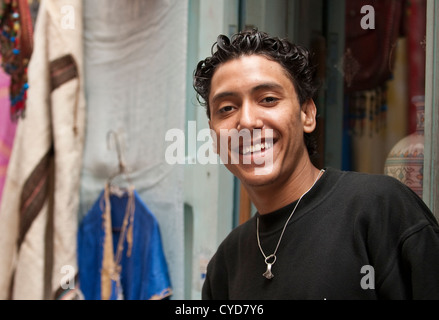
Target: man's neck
[(275, 196)]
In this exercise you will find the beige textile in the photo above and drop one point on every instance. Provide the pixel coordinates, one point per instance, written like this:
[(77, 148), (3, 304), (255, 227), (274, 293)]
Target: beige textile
[(55, 119)]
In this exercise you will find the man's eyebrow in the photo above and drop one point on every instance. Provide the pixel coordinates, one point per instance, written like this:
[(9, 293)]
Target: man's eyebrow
[(267, 86), (224, 94), (262, 86)]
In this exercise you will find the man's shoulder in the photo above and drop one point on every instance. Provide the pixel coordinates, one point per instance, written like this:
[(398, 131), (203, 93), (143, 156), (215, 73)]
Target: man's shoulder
[(237, 234), (370, 182), (229, 246), (384, 191)]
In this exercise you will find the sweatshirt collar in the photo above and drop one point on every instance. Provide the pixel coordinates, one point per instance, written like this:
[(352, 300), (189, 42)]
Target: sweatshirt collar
[(275, 220)]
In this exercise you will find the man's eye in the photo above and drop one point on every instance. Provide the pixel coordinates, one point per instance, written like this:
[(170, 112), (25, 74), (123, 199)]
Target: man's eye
[(226, 109), (269, 100)]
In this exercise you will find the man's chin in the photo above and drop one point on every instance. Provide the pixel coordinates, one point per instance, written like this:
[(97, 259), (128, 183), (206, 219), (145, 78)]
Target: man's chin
[(257, 176)]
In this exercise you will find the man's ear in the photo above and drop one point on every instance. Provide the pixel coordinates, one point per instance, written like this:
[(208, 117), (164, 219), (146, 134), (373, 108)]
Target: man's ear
[(308, 113)]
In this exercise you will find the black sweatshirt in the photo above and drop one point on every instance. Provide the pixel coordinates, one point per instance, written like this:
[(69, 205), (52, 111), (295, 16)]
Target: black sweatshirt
[(353, 236)]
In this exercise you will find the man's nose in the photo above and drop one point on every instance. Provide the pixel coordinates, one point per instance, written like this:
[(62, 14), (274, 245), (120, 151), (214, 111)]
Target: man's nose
[(249, 117)]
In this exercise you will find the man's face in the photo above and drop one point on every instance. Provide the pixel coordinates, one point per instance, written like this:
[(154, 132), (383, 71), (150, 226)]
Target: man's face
[(253, 92)]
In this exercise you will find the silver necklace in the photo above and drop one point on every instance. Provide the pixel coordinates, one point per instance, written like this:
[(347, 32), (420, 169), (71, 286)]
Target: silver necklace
[(271, 259)]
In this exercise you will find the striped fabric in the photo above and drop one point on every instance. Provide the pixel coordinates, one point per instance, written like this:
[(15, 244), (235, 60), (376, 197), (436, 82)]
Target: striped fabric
[(39, 214)]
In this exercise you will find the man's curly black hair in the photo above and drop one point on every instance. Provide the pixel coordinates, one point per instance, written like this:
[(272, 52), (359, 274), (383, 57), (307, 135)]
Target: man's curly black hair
[(295, 59)]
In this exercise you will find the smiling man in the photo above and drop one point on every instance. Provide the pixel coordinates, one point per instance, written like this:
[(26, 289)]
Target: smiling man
[(318, 233)]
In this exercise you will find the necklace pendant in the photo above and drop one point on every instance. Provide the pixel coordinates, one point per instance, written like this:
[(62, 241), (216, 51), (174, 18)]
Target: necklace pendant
[(268, 274)]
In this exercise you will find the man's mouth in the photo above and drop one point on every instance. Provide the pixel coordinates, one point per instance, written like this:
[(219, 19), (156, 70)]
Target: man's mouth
[(253, 152), (256, 148)]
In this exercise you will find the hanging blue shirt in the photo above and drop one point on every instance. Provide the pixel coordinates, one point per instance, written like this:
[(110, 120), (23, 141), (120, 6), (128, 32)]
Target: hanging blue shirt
[(144, 272)]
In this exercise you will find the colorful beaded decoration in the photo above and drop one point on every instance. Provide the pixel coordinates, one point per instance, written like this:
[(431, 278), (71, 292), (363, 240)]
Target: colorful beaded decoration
[(16, 44)]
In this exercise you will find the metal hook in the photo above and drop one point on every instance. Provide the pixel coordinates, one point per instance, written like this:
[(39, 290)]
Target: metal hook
[(118, 149)]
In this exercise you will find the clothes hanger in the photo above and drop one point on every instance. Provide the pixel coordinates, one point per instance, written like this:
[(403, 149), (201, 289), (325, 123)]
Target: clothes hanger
[(122, 167), (113, 259)]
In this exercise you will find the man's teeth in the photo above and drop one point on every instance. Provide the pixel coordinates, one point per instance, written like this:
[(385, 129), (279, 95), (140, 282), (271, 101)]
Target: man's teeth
[(257, 147)]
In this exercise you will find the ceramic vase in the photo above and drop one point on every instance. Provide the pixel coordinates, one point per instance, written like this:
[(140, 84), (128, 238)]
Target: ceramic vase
[(405, 160)]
